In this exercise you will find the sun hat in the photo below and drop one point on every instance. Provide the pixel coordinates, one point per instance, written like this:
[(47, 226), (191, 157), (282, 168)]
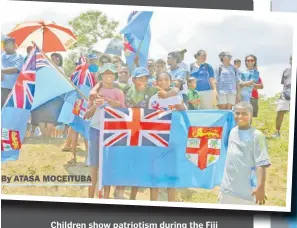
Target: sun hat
[(108, 66)]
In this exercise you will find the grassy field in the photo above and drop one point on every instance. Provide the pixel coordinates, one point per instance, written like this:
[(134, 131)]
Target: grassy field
[(39, 157)]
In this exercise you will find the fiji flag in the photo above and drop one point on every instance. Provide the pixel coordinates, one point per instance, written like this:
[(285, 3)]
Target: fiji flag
[(16, 110), (137, 37), (72, 114), (178, 149)]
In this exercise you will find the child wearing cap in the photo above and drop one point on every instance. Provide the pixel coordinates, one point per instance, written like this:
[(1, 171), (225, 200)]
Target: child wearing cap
[(193, 94), (114, 97)]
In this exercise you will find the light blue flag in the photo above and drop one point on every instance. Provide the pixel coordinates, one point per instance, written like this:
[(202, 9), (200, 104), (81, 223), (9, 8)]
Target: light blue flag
[(74, 121), (14, 121), (138, 149), (50, 84), (138, 24), (137, 41)]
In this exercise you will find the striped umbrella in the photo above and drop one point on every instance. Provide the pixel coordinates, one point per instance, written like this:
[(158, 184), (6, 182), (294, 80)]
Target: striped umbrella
[(49, 36)]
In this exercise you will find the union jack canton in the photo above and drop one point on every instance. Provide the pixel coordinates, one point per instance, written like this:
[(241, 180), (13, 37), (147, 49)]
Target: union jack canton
[(136, 127), (82, 75), (23, 91)]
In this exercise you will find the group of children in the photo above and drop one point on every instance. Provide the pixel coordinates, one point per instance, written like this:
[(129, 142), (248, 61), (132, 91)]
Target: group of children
[(247, 150)]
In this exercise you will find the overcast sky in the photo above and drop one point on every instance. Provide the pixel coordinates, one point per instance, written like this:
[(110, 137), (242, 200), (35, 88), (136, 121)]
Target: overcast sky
[(269, 36), (284, 6)]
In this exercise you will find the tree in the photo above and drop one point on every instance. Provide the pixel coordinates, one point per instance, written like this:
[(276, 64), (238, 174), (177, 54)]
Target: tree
[(89, 27), (69, 63), (92, 26)]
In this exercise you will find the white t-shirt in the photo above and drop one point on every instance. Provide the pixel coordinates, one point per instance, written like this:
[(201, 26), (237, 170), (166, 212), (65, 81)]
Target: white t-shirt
[(164, 104)]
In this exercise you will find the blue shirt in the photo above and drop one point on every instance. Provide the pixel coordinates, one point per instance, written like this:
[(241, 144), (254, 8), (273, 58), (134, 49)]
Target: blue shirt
[(14, 60), (246, 76), (247, 150), (202, 75), (151, 81), (227, 78), (180, 74)]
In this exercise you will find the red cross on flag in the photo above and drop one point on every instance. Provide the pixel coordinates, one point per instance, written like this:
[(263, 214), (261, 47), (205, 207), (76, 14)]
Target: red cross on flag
[(203, 145)]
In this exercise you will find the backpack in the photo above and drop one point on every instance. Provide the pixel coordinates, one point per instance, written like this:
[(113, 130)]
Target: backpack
[(193, 65), (287, 95), (220, 70)]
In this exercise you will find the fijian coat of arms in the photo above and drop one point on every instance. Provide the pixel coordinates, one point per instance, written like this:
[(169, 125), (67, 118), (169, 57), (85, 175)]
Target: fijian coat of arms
[(204, 145)]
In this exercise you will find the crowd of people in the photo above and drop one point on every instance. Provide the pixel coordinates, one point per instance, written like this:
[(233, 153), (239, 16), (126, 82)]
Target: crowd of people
[(170, 84)]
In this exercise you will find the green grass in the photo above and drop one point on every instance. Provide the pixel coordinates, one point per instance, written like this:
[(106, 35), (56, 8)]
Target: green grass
[(40, 158)]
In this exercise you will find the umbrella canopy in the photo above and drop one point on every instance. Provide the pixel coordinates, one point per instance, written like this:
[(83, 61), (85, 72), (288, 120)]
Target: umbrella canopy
[(49, 36), (110, 46)]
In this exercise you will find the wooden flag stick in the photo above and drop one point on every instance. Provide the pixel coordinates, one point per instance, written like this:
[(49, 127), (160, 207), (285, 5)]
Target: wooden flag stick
[(137, 53), (74, 86)]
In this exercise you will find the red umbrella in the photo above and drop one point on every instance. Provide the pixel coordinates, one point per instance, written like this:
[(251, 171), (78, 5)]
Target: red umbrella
[(49, 36)]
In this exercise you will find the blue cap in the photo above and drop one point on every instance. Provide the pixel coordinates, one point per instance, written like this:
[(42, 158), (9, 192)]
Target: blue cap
[(8, 39), (92, 56), (140, 72)]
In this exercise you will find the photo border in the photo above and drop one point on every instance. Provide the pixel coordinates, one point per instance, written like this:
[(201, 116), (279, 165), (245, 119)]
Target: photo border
[(287, 208)]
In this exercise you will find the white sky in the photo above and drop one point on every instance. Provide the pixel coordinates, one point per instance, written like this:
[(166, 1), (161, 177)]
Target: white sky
[(268, 36)]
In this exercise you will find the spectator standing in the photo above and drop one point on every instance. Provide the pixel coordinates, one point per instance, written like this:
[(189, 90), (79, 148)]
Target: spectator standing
[(206, 83)]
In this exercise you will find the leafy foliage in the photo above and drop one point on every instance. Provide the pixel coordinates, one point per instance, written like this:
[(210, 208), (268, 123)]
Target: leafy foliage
[(89, 28), (92, 26)]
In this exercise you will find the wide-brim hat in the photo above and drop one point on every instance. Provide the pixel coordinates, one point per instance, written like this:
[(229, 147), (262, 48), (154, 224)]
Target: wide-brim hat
[(108, 67)]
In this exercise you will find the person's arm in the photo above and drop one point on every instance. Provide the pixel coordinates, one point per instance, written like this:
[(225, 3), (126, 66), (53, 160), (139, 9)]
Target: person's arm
[(121, 99), (262, 162), (283, 78), (238, 87), (163, 94), (94, 91), (92, 106), (10, 70), (259, 192), (212, 79), (198, 99), (255, 79), (190, 97), (181, 106), (16, 68), (259, 85), (113, 103)]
